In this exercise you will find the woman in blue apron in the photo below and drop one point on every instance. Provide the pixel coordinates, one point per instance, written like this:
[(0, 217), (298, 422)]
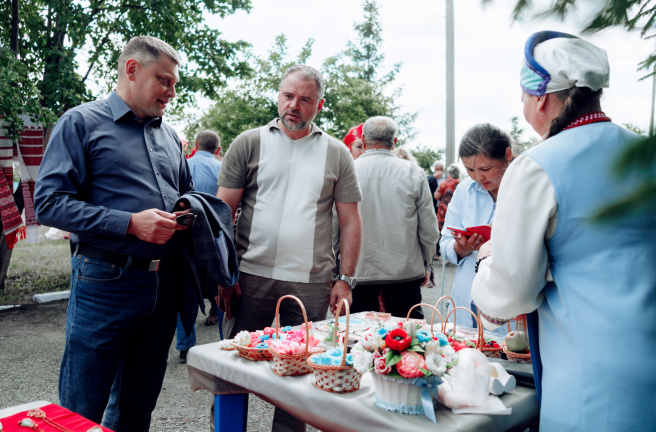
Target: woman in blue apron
[(590, 288)]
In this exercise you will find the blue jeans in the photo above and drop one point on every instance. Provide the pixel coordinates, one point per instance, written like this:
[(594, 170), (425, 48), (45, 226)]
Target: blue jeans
[(184, 341), (119, 327)]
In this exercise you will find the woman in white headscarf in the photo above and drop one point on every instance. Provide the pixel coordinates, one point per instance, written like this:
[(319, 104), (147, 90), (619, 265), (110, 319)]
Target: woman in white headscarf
[(590, 289)]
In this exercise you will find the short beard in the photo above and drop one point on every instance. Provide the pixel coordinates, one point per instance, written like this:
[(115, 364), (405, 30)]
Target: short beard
[(294, 127)]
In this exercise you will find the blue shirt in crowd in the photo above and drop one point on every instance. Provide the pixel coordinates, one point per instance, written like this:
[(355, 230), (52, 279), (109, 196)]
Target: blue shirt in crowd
[(204, 168), (100, 166)]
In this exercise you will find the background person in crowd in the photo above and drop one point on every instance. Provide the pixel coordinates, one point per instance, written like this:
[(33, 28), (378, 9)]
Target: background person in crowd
[(576, 278), (485, 152), (125, 287), (404, 154), (284, 239), (353, 140), (399, 229), (434, 182), (204, 167), (444, 193)]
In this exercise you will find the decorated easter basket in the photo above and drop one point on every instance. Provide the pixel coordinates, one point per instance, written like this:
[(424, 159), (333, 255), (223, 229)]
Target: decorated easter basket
[(480, 340), (254, 354), (491, 352), (292, 364), (523, 357), (340, 378), (404, 395)]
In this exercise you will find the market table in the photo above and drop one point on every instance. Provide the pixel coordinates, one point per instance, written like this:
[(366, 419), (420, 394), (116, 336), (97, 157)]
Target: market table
[(230, 378)]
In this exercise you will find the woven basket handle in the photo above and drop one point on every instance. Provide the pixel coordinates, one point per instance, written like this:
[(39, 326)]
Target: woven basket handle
[(436, 304), (432, 316), (480, 342), (305, 320), (336, 326)]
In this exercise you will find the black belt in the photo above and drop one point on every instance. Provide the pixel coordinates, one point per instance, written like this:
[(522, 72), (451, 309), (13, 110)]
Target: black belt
[(118, 258)]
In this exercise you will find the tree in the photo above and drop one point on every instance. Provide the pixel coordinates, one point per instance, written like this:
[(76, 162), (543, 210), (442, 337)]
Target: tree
[(639, 159), (357, 88), (517, 135), (56, 36), (426, 157), (353, 90)]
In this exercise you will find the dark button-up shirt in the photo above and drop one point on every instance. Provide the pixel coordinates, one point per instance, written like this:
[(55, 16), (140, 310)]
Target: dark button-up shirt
[(102, 165)]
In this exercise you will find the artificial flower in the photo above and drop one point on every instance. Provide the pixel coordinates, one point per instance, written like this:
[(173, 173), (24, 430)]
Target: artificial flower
[(380, 366), (243, 338), (449, 354), (397, 340), (262, 345), (436, 364), (433, 346), (362, 360), (411, 364), (424, 336)]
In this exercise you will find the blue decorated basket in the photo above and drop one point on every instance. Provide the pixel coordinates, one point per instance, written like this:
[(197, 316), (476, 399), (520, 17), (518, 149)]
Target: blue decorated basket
[(400, 395)]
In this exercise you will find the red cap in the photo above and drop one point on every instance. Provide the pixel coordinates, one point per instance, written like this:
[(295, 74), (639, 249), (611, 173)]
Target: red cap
[(355, 133)]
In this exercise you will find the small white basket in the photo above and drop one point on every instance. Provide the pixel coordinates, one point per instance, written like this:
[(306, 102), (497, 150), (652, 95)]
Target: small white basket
[(399, 395)]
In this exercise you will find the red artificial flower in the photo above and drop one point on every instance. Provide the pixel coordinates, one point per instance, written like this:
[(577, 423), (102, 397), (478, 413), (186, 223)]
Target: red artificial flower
[(397, 340)]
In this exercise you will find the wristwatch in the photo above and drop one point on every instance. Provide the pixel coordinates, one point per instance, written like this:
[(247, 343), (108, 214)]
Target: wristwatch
[(350, 280)]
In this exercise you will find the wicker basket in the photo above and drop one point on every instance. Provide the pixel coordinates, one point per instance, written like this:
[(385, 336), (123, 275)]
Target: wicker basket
[(292, 364), (407, 318), (399, 395), (523, 357), (254, 354), (339, 378)]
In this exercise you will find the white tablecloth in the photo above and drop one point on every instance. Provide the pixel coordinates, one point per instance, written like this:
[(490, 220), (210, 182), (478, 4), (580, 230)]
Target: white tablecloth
[(224, 372)]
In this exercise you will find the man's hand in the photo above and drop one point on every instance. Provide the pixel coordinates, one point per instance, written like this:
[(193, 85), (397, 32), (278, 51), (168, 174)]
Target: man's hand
[(426, 277), (224, 300), (341, 290), (152, 225)]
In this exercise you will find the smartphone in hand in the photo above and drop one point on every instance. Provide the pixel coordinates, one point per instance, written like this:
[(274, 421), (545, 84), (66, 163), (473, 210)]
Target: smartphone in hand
[(186, 219)]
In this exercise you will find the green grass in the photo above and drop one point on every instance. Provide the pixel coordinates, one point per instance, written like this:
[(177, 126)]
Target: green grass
[(36, 269)]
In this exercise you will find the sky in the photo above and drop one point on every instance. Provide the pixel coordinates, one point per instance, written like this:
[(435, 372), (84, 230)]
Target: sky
[(488, 55)]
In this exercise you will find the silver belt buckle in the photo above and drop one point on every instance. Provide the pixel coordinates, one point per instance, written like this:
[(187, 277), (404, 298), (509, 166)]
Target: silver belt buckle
[(153, 266)]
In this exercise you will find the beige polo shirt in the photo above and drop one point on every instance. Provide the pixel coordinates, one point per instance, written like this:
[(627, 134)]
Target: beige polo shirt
[(285, 228)]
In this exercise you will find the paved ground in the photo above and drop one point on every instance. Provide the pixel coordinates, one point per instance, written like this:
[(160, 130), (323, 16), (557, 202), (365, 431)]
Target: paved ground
[(31, 346)]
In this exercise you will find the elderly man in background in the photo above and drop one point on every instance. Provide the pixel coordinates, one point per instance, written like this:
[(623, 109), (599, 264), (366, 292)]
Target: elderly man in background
[(399, 229), (111, 175), (287, 175), (204, 167)]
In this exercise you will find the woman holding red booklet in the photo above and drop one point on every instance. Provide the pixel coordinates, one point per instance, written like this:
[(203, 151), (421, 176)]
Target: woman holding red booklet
[(485, 150)]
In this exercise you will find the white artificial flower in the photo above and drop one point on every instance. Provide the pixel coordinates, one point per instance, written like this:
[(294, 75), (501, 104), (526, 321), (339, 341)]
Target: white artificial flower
[(449, 354), (436, 364), (243, 338), (362, 360), (434, 347)]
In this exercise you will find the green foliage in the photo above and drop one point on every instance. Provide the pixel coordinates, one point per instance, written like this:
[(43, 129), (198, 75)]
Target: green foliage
[(54, 34), (517, 135), (426, 157), (634, 128), (353, 91)]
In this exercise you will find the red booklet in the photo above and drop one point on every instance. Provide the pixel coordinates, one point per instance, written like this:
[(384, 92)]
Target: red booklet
[(483, 230)]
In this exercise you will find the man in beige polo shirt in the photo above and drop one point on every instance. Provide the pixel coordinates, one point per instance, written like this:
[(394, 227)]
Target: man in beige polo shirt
[(287, 175)]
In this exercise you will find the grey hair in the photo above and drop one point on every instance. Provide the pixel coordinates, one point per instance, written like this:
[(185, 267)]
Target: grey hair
[(380, 128), (436, 164), (208, 141), (146, 50), (453, 171), (485, 139), (309, 73)]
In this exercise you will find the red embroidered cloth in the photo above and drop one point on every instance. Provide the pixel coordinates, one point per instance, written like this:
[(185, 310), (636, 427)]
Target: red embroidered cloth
[(57, 414)]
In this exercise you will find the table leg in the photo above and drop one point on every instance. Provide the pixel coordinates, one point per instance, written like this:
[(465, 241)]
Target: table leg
[(230, 412)]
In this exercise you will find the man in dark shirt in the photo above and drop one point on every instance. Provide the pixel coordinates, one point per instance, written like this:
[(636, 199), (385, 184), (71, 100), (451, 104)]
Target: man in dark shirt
[(111, 175)]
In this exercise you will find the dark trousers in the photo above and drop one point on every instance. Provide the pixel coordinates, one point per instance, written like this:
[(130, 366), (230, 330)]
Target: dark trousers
[(398, 297)]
